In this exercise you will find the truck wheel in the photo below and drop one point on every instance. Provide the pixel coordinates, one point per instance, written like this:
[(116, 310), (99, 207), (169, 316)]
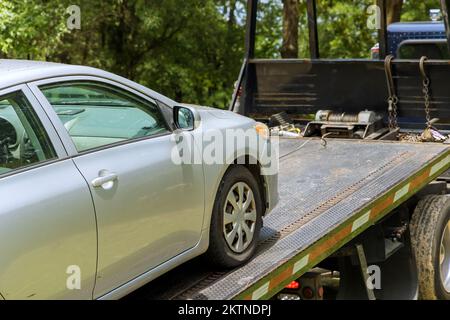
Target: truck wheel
[(236, 219), (430, 236)]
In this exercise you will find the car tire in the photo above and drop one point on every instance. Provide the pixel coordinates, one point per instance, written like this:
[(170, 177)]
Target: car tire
[(227, 221), (430, 220)]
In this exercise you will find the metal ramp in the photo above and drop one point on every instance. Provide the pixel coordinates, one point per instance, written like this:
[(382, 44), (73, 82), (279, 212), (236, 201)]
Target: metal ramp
[(328, 196)]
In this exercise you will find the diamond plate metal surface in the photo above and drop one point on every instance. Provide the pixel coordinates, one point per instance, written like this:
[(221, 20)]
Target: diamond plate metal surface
[(312, 176)]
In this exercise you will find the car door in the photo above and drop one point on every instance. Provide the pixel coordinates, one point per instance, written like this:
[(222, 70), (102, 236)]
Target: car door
[(149, 209), (48, 241)]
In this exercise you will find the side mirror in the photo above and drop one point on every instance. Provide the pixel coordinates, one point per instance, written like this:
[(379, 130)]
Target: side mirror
[(186, 118)]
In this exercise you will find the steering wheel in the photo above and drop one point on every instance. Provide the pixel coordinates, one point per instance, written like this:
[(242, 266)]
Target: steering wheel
[(8, 134), (8, 137)]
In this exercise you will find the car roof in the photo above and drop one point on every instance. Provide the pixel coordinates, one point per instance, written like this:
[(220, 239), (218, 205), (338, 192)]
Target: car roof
[(15, 72)]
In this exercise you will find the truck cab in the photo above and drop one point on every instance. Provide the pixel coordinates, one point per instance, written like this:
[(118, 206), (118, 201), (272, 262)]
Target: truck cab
[(412, 40)]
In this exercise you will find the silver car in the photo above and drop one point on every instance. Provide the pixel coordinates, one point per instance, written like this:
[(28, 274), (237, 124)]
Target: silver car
[(101, 191)]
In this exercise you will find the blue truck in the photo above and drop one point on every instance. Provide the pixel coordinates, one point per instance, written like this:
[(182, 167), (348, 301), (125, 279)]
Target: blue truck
[(412, 40)]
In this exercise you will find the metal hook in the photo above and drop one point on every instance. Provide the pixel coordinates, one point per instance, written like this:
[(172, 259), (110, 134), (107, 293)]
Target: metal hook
[(422, 68), (388, 71), (388, 61), (324, 142)]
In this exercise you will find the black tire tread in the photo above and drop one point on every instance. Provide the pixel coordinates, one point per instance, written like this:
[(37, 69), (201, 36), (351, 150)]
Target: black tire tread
[(216, 255), (425, 223)]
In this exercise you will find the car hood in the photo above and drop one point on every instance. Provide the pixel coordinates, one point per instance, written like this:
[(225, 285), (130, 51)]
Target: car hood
[(217, 113)]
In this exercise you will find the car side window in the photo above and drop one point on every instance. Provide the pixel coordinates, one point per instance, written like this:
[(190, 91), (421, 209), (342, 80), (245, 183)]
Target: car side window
[(97, 115), (23, 140)]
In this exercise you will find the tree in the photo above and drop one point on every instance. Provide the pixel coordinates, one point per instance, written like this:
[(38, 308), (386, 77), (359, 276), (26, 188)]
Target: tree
[(418, 10), (394, 11), (289, 48), (343, 29), (186, 49), (269, 30)]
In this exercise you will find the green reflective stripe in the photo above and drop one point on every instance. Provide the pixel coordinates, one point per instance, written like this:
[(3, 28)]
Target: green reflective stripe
[(441, 164), (361, 221), (402, 192), (300, 264), (261, 291)]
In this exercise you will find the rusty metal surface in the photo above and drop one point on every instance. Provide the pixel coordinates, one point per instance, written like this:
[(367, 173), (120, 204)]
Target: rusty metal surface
[(319, 189)]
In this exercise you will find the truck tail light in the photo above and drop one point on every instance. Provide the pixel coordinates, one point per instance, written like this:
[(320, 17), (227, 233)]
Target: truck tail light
[(293, 285)]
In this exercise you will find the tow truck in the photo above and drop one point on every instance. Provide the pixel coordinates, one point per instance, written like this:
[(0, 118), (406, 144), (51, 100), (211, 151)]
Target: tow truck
[(365, 208)]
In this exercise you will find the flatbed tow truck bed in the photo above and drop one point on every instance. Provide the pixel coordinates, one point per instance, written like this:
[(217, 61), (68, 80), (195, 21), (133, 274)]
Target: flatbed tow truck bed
[(329, 195)]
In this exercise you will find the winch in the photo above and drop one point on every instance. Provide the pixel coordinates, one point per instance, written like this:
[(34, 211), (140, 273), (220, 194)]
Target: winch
[(363, 125)]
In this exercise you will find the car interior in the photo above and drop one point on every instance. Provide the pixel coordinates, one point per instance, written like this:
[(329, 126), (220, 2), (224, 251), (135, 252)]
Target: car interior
[(19, 145), (95, 116)]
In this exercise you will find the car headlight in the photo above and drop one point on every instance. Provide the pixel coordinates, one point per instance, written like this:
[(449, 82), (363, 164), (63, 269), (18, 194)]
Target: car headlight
[(262, 130)]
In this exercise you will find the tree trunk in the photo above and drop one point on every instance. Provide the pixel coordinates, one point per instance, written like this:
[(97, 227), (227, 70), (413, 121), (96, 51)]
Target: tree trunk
[(290, 29), (394, 11), (231, 14)]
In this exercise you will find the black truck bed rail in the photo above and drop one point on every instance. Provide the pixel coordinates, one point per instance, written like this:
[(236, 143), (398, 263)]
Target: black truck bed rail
[(302, 87)]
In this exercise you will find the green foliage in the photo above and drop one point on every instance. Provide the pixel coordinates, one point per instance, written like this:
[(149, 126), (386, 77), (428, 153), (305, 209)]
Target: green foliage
[(342, 25), (343, 30), (269, 29), (418, 10), (28, 29), (189, 50)]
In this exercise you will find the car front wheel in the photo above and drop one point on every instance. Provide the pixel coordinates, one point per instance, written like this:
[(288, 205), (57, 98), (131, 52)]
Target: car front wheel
[(236, 219)]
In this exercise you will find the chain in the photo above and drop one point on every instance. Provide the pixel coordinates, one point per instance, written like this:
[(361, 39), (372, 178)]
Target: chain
[(430, 134), (426, 94), (393, 99)]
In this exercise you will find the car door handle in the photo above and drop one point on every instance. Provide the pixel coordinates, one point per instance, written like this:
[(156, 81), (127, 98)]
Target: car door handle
[(105, 180)]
